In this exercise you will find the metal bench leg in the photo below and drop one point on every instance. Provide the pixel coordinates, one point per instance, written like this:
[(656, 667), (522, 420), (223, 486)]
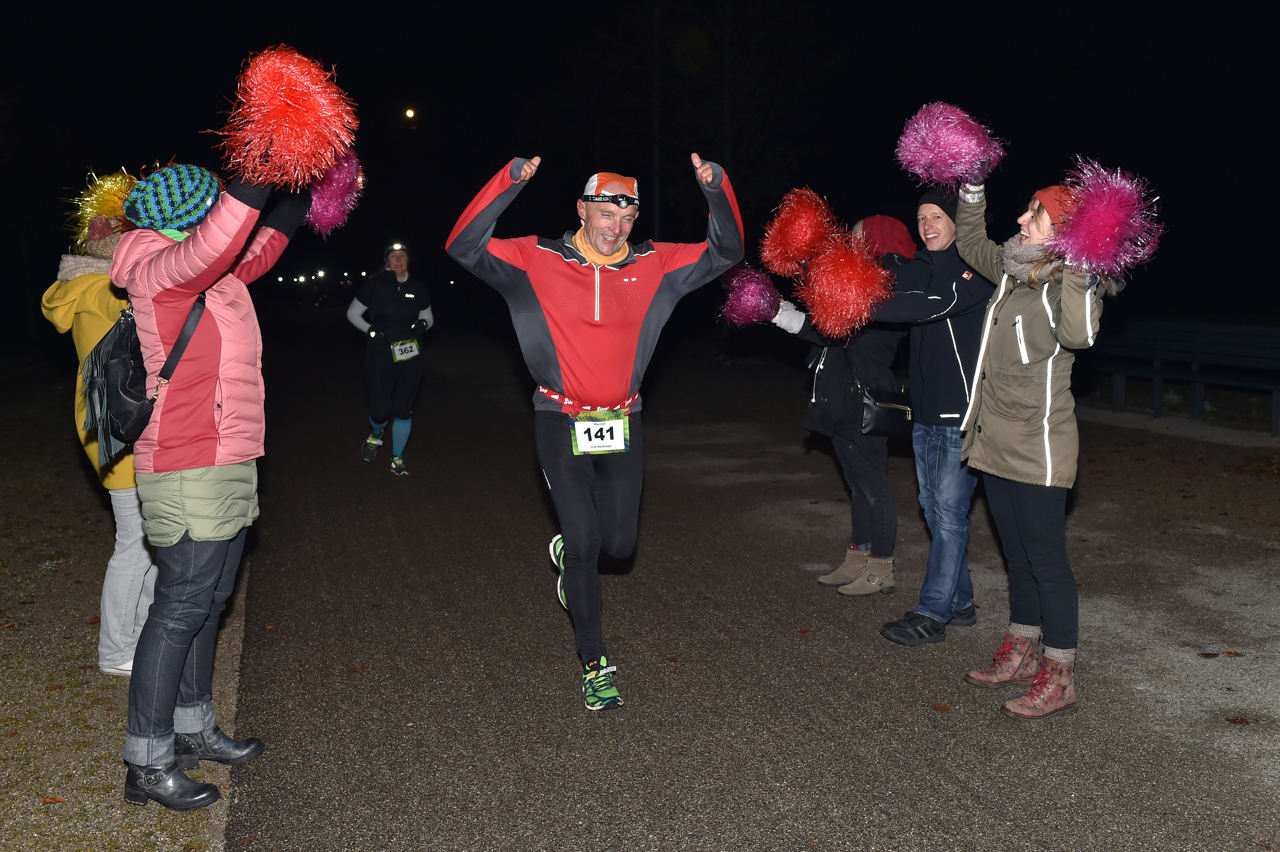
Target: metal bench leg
[(1197, 400), (1117, 392)]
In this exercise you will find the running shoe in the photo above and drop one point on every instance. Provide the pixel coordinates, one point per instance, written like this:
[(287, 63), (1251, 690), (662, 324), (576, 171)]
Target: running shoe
[(556, 549), (370, 448), (397, 466), (598, 691)]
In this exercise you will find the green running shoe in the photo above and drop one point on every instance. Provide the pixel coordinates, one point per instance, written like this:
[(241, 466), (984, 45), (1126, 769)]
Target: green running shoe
[(369, 451), (397, 466), (598, 691), (556, 549)]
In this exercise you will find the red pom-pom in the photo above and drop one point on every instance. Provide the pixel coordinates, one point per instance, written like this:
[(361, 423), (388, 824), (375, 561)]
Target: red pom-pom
[(803, 224), (290, 121), (752, 296), (842, 285)]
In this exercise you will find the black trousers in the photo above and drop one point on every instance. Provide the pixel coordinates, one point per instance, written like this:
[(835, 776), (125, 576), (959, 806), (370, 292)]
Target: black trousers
[(873, 513), (393, 386), (597, 500), (1032, 521)]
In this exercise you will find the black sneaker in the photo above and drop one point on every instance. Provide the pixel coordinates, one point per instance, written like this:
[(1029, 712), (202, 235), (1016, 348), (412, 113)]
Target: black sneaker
[(914, 629), (966, 617), (369, 451)]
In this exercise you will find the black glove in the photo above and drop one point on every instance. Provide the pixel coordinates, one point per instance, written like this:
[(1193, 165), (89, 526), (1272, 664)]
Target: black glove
[(254, 196), (419, 328), (290, 209), (377, 336), (981, 169)]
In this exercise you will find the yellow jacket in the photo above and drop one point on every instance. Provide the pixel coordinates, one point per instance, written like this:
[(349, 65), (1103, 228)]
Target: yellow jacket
[(88, 305)]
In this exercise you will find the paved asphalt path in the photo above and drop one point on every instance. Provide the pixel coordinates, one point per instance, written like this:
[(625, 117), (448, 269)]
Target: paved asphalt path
[(414, 677)]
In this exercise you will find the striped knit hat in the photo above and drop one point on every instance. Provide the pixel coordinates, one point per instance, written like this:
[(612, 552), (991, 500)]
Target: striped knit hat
[(175, 197)]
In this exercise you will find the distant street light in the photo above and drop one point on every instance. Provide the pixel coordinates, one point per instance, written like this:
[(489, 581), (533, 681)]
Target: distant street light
[(408, 113)]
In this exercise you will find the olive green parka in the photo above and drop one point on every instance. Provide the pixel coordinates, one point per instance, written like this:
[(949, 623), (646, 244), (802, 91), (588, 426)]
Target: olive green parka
[(1021, 422)]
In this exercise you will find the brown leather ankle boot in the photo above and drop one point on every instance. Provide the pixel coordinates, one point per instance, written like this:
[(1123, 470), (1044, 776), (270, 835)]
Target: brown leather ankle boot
[(1054, 691), (1016, 661)]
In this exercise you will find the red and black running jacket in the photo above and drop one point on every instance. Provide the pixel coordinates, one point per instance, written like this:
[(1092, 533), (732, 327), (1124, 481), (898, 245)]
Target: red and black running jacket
[(587, 332)]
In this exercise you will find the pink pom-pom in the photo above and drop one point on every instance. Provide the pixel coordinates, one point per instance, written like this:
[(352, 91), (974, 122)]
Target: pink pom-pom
[(290, 121), (1112, 225), (803, 223), (335, 195), (842, 285), (941, 144), (752, 296)]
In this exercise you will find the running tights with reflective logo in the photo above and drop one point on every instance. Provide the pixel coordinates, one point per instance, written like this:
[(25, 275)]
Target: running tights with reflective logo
[(597, 499)]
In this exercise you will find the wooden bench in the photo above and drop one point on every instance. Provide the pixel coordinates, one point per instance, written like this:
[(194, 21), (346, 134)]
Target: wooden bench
[(1200, 354)]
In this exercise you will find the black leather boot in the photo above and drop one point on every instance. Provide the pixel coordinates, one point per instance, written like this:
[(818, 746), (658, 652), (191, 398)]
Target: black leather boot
[(168, 786), (190, 749)]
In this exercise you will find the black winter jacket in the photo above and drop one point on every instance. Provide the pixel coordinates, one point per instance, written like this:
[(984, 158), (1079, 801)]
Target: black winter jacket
[(835, 405), (392, 307), (945, 300)]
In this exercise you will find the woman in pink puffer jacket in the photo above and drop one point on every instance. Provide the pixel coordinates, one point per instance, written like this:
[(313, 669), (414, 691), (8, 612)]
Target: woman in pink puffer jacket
[(195, 462)]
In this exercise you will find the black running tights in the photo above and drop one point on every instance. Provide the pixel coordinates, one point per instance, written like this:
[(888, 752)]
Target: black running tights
[(597, 499)]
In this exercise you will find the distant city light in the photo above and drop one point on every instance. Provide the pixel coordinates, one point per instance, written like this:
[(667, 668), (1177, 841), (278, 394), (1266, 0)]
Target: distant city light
[(362, 274), (280, 278), (408, 113), (320, 273)]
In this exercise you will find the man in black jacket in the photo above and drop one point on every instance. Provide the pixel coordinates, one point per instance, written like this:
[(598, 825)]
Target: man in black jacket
[(944, 300)]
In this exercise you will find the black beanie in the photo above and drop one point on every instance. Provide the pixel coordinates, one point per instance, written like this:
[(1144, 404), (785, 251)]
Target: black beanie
[(386, 253), (947, 203)]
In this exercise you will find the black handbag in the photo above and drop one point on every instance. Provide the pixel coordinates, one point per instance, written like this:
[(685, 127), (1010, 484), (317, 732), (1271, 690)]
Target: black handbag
[(885, 414), (115, 382)]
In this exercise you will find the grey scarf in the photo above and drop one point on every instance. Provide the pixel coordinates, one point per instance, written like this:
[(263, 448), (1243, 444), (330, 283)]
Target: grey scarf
[(1019, 260)]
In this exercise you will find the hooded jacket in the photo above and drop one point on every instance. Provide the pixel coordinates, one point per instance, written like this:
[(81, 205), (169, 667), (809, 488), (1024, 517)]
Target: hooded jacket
[(839, 367), (84, 302), (211, 412), (945, 300), (1021, 422)]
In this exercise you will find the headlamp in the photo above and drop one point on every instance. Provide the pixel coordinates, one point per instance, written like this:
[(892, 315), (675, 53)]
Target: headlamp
[(623, 201)]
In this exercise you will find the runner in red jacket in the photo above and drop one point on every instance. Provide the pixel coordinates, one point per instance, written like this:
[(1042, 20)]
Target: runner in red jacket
[(587, 309)]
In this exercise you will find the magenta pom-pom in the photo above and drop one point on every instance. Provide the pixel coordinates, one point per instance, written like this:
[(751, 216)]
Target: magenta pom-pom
[(842, 285), (336, 194), (752, 297), (1112, 226), (942, 143)]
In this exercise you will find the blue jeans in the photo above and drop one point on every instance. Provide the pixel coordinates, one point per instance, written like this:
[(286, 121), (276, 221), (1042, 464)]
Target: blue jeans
[(946, 485), (172, 684)]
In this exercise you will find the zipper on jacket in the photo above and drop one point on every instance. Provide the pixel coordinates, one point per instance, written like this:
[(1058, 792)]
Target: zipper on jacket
[(813, 397), (597, 293), (1022, 341)]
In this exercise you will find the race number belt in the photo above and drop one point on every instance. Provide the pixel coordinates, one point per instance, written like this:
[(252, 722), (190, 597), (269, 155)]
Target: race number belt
[(403, 350), (570, 406)]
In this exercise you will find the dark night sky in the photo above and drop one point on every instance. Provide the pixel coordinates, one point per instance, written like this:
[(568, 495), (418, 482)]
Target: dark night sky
[(782, 93)]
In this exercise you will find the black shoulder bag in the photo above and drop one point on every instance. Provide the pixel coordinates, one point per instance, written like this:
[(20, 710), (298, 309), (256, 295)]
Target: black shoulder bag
[(115, 382), (885, 414)]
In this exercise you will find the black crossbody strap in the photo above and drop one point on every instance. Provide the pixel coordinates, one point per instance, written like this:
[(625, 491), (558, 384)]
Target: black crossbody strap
[(180, 346)]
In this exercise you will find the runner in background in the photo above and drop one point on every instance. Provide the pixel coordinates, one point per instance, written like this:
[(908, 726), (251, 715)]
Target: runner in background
[(393, 309)]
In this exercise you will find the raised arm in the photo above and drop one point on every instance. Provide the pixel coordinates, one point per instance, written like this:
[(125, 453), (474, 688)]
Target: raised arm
[(976, 248), (1080, 309), (471, 241), (194, 264), (688, 266)]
